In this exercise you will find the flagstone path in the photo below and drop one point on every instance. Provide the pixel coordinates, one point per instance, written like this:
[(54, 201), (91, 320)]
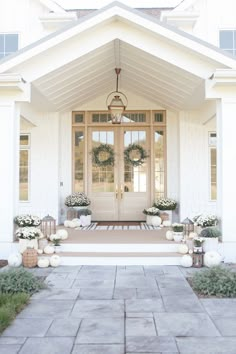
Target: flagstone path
[(118, 310)]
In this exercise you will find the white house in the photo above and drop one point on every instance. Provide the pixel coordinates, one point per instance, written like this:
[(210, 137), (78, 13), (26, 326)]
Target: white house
[(56, 74)]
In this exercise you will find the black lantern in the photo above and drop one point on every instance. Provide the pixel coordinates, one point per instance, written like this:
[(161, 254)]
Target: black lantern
[(48, 225), (188, 226)]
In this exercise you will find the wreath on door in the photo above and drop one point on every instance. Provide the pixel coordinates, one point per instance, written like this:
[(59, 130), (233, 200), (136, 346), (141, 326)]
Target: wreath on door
[(103, 155), (135, 155)]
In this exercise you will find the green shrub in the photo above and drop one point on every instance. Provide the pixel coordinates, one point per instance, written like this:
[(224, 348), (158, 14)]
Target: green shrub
[(19, 281), (210, 232), (215, 281), (10, 305)]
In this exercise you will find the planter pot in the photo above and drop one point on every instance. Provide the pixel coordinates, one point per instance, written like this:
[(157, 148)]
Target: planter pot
[(42, 243), (210, 244), (24, 244), (85, 220), (197, 249), (153, 220), (57, 249), (178, 236), (166, 215)]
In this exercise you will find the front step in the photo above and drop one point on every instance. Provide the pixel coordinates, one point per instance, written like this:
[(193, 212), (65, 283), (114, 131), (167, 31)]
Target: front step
[(119, 258)]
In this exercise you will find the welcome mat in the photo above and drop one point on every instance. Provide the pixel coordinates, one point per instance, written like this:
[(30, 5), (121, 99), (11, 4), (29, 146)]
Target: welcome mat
[(95, 226)]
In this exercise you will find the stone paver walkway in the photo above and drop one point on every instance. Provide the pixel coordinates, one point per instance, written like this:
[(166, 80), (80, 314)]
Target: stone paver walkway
[(117, 310)]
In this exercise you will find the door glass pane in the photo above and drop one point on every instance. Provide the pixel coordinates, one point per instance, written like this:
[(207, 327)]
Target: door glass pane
[(135, 177), (78, 161), (213, 172), (24, 175), (159, 164), (102, 176)]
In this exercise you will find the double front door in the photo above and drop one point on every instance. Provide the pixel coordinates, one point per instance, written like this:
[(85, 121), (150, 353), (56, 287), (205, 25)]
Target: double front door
[(119, 190)]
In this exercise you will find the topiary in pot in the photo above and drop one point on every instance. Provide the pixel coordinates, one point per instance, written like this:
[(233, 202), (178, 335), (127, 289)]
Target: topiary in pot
[(210, 236)]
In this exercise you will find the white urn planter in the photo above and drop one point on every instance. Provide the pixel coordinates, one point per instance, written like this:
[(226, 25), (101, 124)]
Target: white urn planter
[(178, 236), (85, 220), (210, 244), (24, 244)]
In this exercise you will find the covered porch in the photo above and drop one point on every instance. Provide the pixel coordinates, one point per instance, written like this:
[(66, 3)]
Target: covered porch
[(163, 70)]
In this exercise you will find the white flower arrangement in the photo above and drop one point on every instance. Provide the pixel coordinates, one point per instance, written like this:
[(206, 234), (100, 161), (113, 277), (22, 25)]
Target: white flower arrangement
[(77, 199), (165, 204), (198, 241), (205, 220), (27, 220), (151, 211), (28, 233)]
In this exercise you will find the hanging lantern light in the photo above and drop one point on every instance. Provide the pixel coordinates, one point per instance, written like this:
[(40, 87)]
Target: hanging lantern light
[(116, 105), (48, 225)]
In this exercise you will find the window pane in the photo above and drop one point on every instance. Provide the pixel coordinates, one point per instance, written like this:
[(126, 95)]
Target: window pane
[(226, 39), (11, 43), (24, 140), (24, 175), (213, 172), (78, 161), (1, 43), (159, 164)]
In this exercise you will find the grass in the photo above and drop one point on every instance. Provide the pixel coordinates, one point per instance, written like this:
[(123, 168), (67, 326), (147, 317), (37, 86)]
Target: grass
[(10, 306)]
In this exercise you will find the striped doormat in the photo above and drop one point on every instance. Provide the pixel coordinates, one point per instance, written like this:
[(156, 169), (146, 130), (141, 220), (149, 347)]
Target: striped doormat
[(95, 226)]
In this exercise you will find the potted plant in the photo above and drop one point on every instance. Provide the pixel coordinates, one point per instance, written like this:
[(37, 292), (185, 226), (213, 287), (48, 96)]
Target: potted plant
[(85, 216), (152, 216), (77, 200), (211, 238), (28, 237), (166, 206), (178, 230), (198, 242), (203, 221), (27, 220)]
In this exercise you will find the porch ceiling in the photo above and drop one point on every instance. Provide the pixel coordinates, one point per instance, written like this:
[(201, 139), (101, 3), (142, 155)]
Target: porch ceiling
[(93, 75)]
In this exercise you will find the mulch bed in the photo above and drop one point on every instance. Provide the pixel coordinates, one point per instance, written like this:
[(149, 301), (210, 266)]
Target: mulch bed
[(3, 263)]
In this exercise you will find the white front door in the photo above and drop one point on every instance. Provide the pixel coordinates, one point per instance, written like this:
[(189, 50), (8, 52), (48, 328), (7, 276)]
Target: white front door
[(120, 191)]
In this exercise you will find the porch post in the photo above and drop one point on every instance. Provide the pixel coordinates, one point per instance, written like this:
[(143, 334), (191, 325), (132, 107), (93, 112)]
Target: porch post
[(12, 91), (222, 87)]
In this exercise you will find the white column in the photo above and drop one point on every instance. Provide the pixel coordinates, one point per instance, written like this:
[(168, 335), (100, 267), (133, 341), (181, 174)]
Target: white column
[(9, 175), (226, 168)]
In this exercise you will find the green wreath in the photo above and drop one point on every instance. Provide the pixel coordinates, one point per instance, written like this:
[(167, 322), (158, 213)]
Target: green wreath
[(138, 152), (103, 155)]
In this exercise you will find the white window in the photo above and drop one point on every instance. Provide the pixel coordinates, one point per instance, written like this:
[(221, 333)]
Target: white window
[(24, 167), (213, 165), (227, 40), (8, 44)]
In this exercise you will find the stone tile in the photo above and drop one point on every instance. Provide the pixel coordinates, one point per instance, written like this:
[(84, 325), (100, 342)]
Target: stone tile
[(220, 307), (217, 345), (96, 275), (169, 285), (188, 303), (47, 345), (68, 269), (98, 268), (9, 348), (185, 325), (12, 340), (133, 281), (47, 309), (138, 314), (27, 327), (153, 271), (124, 293), (57, 294), (226, 325), (96, 294), (98, 349), (60, 283), (101, 330), (94, 283), (151, 345), (144, 305), (68, 327), (140, 327), (131, 270), (148, 293), (172, 270), (98, 308), (41, 272), (62, 275)]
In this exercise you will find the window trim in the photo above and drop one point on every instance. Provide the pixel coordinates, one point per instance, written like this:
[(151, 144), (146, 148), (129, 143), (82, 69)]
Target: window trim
[(18, 44)]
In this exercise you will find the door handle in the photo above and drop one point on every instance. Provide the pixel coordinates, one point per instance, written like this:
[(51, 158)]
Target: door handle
[(121, 192), (116, 191)]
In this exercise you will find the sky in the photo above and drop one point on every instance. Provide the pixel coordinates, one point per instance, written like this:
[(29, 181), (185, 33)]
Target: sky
[(96, 4)]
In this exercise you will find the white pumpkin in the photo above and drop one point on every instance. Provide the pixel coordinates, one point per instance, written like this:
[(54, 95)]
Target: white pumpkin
[(52, 237), (77, 222), (192, 235), (186, 261), (49, 249), (43, 262), (169, 235), (71, 224), (183, 248), (55, 260), (40, 251), (15, 259), (63, 234), (212, 259), (166, 223), (66, 223)]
